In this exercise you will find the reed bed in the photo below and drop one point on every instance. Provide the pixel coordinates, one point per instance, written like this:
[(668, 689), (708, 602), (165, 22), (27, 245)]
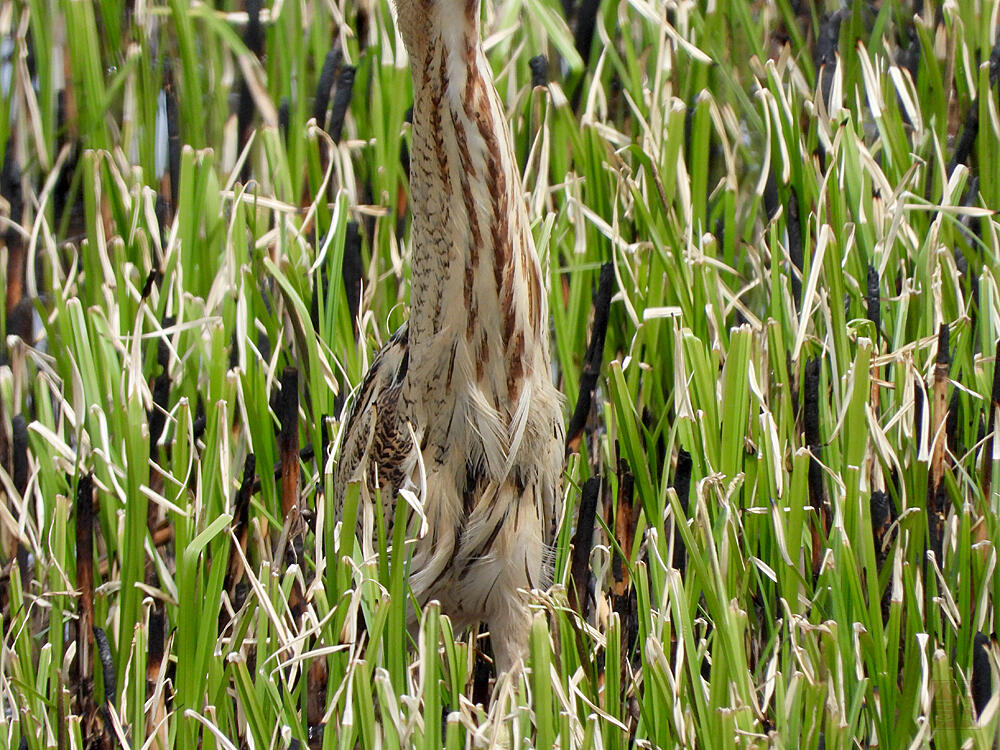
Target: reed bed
[(773, 258)]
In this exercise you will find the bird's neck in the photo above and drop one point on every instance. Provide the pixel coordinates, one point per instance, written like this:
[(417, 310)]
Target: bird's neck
[(476, 282)]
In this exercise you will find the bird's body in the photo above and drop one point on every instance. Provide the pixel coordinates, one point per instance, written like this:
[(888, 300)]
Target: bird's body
[(459, 406)]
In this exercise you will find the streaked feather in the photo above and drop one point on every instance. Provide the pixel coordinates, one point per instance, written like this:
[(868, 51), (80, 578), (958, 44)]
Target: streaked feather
[(458, 414)]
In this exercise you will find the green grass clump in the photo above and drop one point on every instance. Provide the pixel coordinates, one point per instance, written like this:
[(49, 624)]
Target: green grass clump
[(794, 432)]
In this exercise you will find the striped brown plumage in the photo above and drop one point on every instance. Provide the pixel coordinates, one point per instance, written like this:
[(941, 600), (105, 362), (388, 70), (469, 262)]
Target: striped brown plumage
[(458, 413)]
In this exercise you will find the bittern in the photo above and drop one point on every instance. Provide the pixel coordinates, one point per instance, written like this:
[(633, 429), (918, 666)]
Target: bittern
[(458, 410)]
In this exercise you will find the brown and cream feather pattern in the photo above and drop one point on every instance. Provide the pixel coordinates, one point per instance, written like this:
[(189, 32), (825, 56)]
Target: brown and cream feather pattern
[(459, 409)]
